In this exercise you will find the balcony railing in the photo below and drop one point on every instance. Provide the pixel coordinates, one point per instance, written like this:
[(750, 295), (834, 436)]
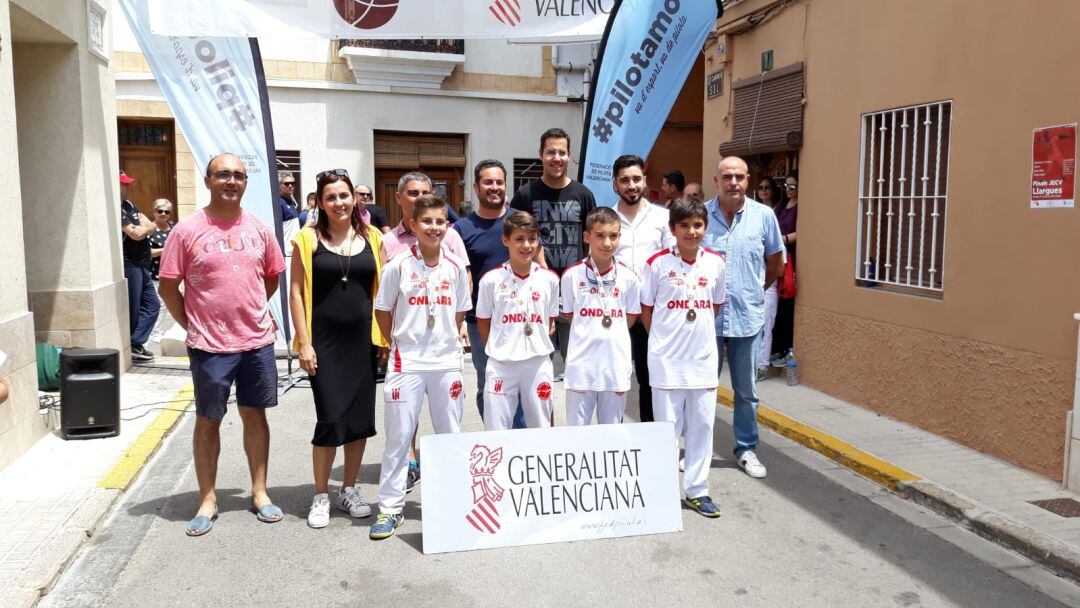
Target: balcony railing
[(433, 45)]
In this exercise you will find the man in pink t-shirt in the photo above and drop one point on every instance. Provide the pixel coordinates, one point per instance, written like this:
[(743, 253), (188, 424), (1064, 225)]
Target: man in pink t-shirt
[(229, 263)]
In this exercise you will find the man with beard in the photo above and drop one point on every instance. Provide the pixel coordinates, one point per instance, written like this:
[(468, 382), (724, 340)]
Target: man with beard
[(482, 233), (644, 232)]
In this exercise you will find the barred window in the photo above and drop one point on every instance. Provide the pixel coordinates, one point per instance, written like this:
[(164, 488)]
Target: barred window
[(903, 183), (526, 170)]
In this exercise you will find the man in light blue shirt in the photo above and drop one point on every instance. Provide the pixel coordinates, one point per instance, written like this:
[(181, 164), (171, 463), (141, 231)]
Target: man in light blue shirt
[(748, 235)]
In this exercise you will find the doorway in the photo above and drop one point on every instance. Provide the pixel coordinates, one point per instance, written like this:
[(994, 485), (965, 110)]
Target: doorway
[(148, 154), (440, 157)]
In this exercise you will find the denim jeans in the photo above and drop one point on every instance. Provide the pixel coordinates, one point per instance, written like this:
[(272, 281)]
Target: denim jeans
[(741, 355), (479, 360), (143, 303)]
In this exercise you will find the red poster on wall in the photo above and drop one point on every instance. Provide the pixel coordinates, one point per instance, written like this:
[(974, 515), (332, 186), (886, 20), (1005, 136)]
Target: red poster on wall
[(1053, 167)]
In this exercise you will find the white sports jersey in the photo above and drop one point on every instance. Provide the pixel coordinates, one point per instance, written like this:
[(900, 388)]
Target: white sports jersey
[(519, 308), (682, 339), (416, 293), (599, 357)]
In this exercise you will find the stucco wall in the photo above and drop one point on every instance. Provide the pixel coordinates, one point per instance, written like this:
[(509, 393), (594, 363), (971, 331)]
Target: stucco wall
[(1005, 401), (991, 363)]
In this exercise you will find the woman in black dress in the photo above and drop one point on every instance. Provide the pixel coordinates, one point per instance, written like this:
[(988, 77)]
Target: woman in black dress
[(335, 269)]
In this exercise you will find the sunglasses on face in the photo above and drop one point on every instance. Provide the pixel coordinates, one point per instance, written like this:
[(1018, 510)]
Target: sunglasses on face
[(791, 186), (163, 212), (363, 195), (288, 184), (337, 172)]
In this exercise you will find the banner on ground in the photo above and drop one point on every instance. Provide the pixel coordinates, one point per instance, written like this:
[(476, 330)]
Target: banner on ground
[(216, 93), (565, 20), (534, 486), (645, 55), (1053, 167)]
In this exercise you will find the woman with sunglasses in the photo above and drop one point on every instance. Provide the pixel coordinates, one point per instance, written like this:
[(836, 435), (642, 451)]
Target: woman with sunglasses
[(335, 277), (163, 225), (788, 216), (771, 193)]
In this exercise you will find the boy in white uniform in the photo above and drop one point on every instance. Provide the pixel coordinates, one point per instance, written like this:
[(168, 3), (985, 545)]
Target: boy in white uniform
[(682, 289), (515, 312), (601, 297), (421, 302)]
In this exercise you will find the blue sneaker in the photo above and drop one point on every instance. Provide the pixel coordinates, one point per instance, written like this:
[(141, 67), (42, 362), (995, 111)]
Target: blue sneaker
[(703, 505), (414, 476), (385, 525)]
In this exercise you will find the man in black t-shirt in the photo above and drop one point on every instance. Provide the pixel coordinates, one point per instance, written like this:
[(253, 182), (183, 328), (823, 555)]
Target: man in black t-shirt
[(560, 205), (143, 304)]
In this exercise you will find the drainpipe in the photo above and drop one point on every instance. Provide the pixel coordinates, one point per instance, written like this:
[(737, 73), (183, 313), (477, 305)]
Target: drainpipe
[(1070, 477)]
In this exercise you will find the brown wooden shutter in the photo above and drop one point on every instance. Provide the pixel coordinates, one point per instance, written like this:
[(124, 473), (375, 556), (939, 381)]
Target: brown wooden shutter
[(409, 151), (776, 99)]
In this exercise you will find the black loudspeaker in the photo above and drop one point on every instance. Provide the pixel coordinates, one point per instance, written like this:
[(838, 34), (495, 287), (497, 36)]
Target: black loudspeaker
[(89, 393)]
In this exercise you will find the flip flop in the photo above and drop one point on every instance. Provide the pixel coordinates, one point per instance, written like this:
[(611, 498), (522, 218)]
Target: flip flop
[(268, 513), (201, 524)]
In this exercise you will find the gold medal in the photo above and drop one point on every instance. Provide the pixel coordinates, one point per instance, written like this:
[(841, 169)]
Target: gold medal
[(528, 329), (691, 315), (431, 321), (606, 321)]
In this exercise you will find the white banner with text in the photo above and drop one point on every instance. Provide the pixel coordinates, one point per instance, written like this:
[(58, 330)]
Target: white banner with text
[(534, 486), (566, 20)]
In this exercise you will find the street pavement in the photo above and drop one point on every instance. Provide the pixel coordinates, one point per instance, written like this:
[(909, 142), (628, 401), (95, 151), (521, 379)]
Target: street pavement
[(810, 534)]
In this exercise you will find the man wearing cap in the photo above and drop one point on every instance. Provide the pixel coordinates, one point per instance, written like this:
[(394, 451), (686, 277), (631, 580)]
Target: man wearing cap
[(143, 305)]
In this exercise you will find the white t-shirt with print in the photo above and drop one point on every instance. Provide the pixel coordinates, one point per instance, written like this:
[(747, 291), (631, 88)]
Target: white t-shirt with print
[(413, 291), (599, 357), (513, 302), (682, 352)]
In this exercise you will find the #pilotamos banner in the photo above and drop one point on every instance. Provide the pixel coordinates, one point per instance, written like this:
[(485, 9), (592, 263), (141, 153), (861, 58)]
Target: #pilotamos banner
[(566, 20), (647, 51), (213, 88), (532, 486)]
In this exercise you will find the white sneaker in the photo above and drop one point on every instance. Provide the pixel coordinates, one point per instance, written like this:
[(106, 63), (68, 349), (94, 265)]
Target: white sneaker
[(348, 499), (749, 463), (319, 514)]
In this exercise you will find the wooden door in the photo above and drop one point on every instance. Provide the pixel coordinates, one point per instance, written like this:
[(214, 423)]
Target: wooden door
[(148, 154), (385, 190)]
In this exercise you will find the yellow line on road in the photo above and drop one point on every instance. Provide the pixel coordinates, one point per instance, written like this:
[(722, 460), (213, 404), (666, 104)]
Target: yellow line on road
[(847, 455), (125, 469)]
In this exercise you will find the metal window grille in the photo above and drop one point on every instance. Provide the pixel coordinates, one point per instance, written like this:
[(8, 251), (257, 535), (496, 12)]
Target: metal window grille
[(903, 186), (526, 170)]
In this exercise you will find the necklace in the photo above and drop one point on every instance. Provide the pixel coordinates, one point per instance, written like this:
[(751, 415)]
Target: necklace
[(690, 287), (430, 273), (522, 301), (350, 237), (605, 321)]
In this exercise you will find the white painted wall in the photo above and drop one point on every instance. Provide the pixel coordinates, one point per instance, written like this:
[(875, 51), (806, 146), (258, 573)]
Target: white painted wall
[(334, 127), (499, 57)]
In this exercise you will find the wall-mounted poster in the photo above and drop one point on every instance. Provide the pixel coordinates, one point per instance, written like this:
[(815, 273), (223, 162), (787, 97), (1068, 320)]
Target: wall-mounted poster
[(1053, 167)]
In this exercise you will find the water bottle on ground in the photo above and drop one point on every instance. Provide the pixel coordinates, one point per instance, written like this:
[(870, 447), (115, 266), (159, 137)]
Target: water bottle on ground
[(792, 369)]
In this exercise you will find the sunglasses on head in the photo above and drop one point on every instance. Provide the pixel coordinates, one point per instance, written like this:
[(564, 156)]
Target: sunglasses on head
[(329, 172)]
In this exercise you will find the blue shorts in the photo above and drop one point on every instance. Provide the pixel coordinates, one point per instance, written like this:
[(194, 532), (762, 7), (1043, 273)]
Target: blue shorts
[(254, 371)]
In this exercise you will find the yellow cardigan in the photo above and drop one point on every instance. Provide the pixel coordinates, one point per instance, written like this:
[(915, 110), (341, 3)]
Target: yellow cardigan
[(306, 242)]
